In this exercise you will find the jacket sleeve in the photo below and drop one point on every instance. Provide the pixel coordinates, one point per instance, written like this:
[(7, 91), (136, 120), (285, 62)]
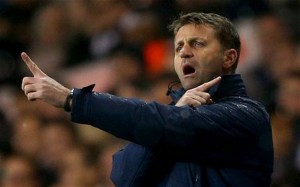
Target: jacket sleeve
[(222, 126), (136, 165)]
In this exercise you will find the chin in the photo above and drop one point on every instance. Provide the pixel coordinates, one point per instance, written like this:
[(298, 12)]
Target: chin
[(189, 86)]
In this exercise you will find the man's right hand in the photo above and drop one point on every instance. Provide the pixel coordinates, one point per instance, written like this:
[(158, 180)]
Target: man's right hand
[(198, 96), (41, 86)]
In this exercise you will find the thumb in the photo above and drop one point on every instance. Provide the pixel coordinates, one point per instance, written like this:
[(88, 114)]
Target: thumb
[(35, 70), (204, 87)]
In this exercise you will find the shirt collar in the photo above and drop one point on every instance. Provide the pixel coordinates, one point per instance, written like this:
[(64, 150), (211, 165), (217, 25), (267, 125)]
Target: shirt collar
[(230, 85)]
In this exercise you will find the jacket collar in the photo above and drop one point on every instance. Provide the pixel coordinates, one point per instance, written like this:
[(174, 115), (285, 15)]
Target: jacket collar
[(230, 85)]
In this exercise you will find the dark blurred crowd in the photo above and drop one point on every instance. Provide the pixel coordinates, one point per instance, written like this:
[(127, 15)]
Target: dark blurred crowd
[(124, 47)]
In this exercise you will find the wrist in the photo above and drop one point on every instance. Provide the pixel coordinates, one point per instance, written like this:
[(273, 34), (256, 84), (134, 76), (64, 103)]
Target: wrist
[(68, 101)]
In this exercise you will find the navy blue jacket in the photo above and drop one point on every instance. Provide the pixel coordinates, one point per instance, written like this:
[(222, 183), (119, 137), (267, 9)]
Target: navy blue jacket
[(227, 143)]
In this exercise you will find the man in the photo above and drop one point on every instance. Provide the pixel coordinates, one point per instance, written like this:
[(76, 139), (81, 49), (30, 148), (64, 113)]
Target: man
[(214, 135)]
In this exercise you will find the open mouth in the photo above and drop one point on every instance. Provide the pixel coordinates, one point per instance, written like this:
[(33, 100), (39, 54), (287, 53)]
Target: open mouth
[(188, 70)]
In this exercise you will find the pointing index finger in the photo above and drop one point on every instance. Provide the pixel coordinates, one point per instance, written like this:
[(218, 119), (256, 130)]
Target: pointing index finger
[(35, 70), (208, 85)]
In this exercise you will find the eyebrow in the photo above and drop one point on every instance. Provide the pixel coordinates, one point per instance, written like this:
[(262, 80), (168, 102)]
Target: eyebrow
[(190, 39)]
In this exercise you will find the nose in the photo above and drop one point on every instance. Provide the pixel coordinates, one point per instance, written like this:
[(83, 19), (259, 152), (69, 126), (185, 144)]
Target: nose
[(186, 52)]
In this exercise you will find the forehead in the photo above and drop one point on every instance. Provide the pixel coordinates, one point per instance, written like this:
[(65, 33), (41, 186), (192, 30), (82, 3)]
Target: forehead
[(195, 31)]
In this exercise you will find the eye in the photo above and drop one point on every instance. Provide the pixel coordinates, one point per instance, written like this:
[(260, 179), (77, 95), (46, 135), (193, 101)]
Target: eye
[(178, 48), (198, 44)]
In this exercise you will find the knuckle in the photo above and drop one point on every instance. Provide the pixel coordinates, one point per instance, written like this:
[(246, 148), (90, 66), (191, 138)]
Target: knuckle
[(26, 91), (189, 99), (43, 80), (26, 88), (25, 80), (30, 96), (207, 96)]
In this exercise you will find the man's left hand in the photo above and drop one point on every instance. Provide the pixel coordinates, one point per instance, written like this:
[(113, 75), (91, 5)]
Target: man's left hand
[(198, 96)]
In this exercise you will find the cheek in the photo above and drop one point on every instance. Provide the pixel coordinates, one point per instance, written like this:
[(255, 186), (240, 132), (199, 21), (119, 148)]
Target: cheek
[(212, 62), (176, 66)]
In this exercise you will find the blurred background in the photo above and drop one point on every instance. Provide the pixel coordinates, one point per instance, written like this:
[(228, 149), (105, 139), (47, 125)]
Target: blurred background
[(124, 47)]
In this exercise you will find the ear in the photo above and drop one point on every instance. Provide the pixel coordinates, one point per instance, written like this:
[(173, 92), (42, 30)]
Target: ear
[(230, 58)]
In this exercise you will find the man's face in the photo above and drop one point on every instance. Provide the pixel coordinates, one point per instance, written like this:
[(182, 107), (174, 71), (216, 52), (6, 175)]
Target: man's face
[(198, 55)]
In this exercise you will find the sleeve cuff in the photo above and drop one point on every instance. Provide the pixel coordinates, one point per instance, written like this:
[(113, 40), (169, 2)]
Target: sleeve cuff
[(80, 104)]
